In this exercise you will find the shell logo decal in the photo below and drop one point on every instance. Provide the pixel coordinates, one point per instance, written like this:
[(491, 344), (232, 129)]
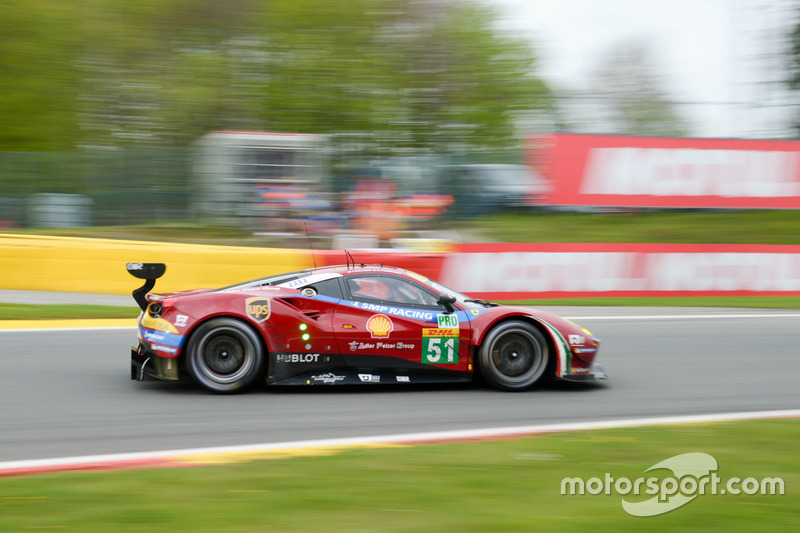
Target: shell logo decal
[(379, 326)]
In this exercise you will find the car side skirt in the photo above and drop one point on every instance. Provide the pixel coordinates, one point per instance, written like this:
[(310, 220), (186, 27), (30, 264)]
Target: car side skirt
[(349, 369)]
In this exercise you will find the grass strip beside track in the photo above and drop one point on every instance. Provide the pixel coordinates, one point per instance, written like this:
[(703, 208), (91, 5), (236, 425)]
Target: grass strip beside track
[(732, 226), (64, 311), (501, 485), (704, 226)]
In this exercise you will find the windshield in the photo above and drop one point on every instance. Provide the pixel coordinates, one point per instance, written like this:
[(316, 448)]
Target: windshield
[(437, 287)]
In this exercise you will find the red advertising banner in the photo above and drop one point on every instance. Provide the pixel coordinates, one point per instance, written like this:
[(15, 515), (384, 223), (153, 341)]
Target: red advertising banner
[(501, 271), (620, 171), (558, 270)]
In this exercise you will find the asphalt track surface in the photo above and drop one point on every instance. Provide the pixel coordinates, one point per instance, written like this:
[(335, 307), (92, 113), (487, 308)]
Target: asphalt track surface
[(69, 393)]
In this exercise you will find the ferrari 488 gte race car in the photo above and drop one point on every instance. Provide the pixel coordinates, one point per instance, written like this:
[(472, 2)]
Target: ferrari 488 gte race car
[(352, 324)]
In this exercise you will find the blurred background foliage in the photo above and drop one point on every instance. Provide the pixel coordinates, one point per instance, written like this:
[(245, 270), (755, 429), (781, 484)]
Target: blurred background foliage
[(107, 99), (381, 77)]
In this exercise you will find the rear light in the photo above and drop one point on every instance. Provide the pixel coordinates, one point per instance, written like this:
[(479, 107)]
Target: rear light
[(155, 309)]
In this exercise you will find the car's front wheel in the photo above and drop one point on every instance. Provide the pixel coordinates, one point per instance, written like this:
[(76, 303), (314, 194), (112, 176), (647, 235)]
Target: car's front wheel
[(224, 355), (513, 356)]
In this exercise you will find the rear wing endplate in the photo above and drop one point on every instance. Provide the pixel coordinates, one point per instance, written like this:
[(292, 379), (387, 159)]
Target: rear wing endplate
[(149, 272)]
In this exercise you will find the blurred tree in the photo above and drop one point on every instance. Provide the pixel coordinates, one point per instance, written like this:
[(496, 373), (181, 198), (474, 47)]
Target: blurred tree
[(793, 62), (156, 71), (39, 84), (461, 85), (380, 76), (629, 95), (396, 76)]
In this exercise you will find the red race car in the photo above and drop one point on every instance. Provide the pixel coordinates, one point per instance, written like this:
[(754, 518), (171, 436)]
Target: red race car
[(350, 324)]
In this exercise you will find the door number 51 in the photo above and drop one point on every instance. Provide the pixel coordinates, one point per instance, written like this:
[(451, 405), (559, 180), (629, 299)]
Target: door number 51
[(432, 348)]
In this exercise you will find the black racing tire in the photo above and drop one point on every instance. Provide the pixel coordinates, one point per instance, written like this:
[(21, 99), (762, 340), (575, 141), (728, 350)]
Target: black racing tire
[(514, 356), (224, 355)]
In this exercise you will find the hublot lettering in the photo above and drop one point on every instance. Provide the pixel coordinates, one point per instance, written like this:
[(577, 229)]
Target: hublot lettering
[(297, 357)]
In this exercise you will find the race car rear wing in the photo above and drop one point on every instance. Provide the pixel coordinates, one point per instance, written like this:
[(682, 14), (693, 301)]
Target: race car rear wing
[(146, 271)]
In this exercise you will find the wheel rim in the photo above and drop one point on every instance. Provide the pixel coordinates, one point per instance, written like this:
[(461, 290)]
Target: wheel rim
[(225, 355), (517, 357)]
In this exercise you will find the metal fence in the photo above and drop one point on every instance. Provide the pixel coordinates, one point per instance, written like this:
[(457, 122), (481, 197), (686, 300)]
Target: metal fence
[(123, 186), (126, 186)]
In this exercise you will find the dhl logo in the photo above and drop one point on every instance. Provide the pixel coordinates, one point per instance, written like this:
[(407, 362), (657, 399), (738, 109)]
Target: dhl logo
[(258, 309), (439, 332)]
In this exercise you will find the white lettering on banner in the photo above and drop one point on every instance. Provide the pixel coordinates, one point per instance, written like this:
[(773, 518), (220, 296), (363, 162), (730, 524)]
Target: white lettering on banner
[(538, 271), (622, 271), (692, 172), (724, 272)]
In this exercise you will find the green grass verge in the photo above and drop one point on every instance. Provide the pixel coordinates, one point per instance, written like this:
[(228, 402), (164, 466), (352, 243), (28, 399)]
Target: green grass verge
[(765, 302), (502, 485), (666, 226), (721, 227), (58, 312)]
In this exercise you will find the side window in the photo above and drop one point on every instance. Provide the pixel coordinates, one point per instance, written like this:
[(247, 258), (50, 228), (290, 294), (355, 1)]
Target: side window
[(369, 288), (328, 287), (390, 289), (406, 292)]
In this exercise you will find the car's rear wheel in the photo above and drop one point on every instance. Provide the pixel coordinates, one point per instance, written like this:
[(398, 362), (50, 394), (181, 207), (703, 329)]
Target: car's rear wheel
[(513, 356), (224, 355)]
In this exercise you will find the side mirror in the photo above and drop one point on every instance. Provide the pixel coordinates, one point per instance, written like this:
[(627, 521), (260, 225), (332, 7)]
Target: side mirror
[(447, 300)]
